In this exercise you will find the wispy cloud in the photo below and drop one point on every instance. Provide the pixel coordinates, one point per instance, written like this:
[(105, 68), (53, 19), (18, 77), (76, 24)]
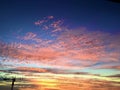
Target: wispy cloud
[(44, 20), (107, 66), (29, 36), (70, 46), (49, 23), (57, 26)]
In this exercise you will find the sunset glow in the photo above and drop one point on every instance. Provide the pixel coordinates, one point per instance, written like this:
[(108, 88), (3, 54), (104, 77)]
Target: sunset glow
[(44, 46)]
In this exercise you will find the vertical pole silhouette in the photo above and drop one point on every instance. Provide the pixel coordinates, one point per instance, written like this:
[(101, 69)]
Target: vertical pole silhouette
[(13, 80)]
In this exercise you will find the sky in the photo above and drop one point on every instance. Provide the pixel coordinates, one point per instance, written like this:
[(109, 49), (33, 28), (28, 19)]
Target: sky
[(46, 44)]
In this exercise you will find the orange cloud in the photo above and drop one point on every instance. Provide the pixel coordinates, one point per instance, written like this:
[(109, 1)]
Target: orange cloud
[(66, 83), (109, 67), (31, 69)]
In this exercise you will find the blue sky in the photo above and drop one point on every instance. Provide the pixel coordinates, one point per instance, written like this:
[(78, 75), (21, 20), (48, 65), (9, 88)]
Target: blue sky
[(93, 14)]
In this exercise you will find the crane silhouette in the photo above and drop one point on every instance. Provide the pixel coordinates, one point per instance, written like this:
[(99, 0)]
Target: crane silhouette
[(13, 80)]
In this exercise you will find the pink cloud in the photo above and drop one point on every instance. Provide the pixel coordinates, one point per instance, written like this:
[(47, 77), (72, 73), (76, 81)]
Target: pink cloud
[(50, 17), (57, 26), (47, 24), (45, 20), (29, 36), (45, 27), (78, 45), (56, 23), (39, 22)]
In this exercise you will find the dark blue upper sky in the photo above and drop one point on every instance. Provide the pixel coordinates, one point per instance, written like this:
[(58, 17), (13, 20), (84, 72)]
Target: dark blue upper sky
[(93, 14)]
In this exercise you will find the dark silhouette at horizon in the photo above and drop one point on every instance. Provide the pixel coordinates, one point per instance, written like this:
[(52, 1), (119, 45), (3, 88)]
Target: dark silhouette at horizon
[(13, 80)]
